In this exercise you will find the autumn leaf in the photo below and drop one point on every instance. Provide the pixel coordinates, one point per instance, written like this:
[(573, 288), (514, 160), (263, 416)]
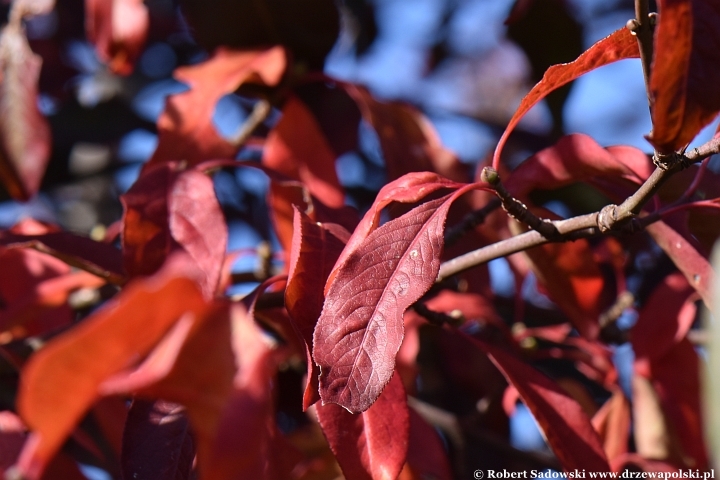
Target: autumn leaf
[(612, 422), (24, 131), (619, 45), (371, 445), (167, 209), (186, 130), (157, 443), (684, 93), (124, 330), (565, 425), (315, 248), (118, 28), (361, 329)]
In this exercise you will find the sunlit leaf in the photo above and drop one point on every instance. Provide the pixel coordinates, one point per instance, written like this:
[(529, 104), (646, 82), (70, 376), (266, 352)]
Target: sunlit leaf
[(683, 84), (118, 28), (24, 132), (361, 328), (186, 130), (612, 422), (168, 209), (619, 45)]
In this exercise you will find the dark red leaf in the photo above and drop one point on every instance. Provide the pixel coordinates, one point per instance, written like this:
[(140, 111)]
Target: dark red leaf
[(427, 456), (664, 319), (683, 81), (619, 45), (409, 141), (168, 209), (371, 445), (566, 426), (72, 366), (118, 29), (361, 328), (24, 131), (157, 444), (694, 265), (314, 251), (676, 378), (186, 130), (101, 259)]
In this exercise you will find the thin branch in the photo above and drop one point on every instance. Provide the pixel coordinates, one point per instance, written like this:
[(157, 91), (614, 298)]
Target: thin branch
[(470, 221), (642, 27), (516, 209), (259, 114)]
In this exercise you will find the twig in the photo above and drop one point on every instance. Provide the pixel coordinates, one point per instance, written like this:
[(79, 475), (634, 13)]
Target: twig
[(437, 318), (516, 209), (259, 114), (470, 221), (642, 27)]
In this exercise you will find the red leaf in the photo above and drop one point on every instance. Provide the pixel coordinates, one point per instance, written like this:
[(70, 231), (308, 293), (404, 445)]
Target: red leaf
[(676, 377), (297, 148), (683, 84), (665, 318), (612, 422), (24, 131), (167, 209), (361, 328), (124, 330), (427, 456), (373, 444), (576, 158), (619, 45), (566, 426), (118, 29), (186, 130), (101, 259), (409, 141), (410, 188), (314, 251), (690, 262), (157, 444)]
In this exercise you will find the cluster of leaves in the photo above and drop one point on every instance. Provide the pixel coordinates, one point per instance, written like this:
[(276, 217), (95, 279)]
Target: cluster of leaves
[(365, 304)]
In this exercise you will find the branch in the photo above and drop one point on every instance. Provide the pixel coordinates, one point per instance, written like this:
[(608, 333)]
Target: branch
[(470, 221), (259, 114), (642, 27)]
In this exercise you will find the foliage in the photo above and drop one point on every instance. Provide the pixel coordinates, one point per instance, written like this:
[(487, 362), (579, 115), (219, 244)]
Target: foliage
[(372, 342)]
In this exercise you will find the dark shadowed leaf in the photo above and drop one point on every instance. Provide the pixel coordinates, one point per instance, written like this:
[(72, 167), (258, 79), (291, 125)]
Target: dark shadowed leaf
[(118, 29), (619, 45), (361, 328), (567, 428), (683, 81), (693, 264), (427, 456), (157, 444), (314, 252), (71, 368), (24, 132), (167, 209), (307, 29), (665, 318), (409, 141), (371, 445), (676, 378), (186, 130)]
